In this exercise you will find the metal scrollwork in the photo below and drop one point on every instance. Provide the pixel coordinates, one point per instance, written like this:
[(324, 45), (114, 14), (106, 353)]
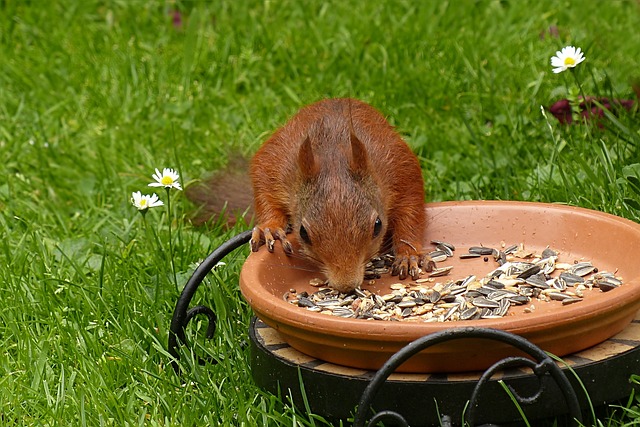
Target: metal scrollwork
[(542, 366), (182, 314)]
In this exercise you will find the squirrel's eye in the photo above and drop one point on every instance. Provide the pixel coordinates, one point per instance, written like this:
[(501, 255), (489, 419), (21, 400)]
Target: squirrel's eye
[(304, 235), (377, 227)]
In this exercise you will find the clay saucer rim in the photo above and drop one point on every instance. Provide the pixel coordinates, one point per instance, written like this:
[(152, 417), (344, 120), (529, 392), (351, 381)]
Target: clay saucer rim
[(280, 314)]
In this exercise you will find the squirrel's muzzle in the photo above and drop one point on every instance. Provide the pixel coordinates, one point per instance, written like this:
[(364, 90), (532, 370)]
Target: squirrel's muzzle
[(345, 278)]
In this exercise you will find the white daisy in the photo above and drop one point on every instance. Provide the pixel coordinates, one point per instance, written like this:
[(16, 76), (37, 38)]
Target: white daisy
[(167, 179), (567, 58), (145, 201)]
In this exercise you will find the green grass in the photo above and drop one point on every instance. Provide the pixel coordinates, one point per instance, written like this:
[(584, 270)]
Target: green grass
[(96, 94)]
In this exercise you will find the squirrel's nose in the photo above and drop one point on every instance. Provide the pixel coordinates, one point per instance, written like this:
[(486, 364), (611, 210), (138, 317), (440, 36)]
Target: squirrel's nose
[(345, 287), (346, 280)]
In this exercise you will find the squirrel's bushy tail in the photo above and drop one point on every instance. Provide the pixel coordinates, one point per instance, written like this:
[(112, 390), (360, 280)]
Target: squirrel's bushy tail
[(224, 196)]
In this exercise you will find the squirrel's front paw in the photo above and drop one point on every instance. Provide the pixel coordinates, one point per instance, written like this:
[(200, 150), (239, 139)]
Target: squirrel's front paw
[(406, 265), (265, 235)]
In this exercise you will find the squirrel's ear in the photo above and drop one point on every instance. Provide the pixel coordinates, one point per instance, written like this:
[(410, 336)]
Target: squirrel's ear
[(307, 161), (359, 159)]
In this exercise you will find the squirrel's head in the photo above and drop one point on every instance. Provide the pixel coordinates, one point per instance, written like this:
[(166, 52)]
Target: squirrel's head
[(341, 221)]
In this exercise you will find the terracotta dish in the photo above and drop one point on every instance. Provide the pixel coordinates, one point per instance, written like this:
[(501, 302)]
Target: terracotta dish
[(609, 242)]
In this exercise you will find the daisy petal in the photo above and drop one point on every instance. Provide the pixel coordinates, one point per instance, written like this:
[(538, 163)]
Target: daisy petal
[(143, 201), (566, 58), (167, 179)]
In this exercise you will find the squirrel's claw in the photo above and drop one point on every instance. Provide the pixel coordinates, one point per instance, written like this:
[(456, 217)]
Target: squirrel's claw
[(414, 267), (399, 267), (427, 263), (406, 265), (260, 236), (269, 240), (257, 239), (281, 234)]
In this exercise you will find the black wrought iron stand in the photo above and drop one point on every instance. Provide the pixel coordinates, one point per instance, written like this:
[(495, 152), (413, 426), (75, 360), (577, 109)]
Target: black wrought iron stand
[(345, 393)]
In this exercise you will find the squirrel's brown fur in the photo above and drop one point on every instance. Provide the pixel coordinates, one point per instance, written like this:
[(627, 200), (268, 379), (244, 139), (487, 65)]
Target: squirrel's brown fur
[(345, 182), (342, 180)]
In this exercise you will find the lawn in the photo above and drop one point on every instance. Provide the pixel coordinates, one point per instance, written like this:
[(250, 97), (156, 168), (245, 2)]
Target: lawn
[(94, 95)]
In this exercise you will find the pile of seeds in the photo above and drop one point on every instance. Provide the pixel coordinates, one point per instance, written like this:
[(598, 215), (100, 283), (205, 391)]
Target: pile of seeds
[(522, 277)]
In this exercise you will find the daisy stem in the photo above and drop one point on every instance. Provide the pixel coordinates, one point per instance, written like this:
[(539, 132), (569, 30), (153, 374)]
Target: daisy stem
[(575, 77), (173, 265), (150, 231), (554, 153)]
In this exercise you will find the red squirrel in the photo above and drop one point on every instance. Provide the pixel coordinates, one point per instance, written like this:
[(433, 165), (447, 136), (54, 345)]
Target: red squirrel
[(346, 185)]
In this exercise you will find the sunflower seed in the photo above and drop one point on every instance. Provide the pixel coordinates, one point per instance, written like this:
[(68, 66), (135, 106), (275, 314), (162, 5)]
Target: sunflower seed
[(606, 286), (343, 312), (481, 250), (438, 256), (445, 244), (558, 296), (570, 279), (469, 255), (582, 269), (446, 249), (511, 249), (484, 302), (438, 272), (469, 313), (305, 302), (535, 269), (434, 297), (406, 304), (571, 300)]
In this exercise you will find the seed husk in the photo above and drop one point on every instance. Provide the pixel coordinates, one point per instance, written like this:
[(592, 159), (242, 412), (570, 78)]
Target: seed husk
[(504, 307), (335, 302), (406, 304), (534, 269), (438, 256), (343, 312), (450, 312), (469, 313), (582, 269), (305, 302), (446, 244), (390, 297), (494, 284), (434, 297), (571, 300), (538, 281), (481, 250), (558, 296), (484, 302), (520, 299), (559, 284), (607, 286), (570, 279), (446, 249), (438, 272)]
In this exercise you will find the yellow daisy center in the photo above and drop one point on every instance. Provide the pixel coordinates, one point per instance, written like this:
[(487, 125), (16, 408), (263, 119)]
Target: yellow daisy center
[(569, 61), (143, 202), (166, 180)]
